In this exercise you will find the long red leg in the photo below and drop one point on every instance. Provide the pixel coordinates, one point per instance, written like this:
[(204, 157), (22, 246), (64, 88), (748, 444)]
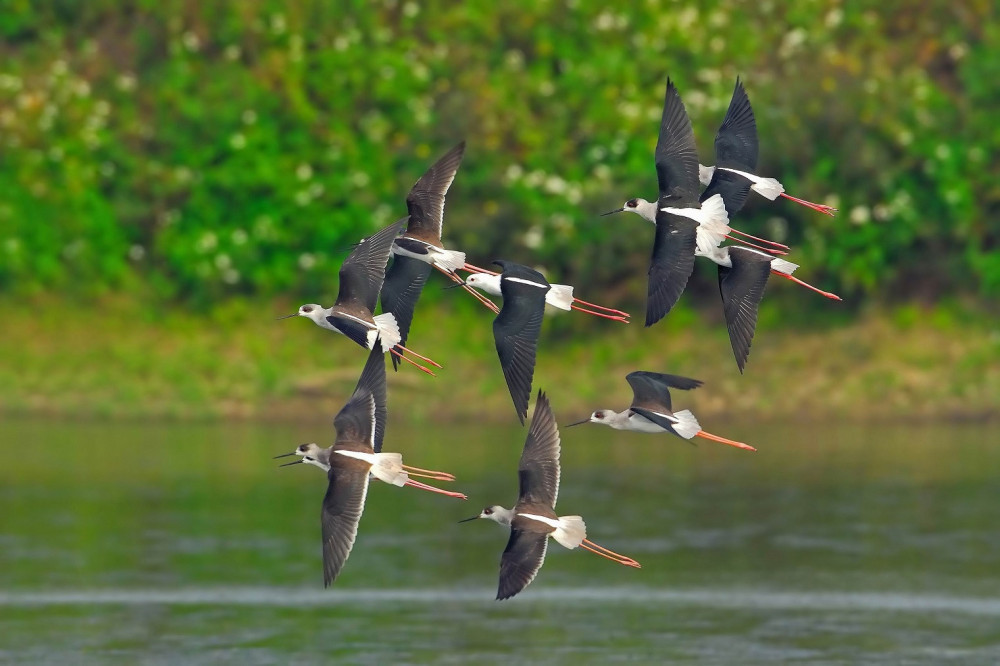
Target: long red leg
[(730, 442), (477, 269), (828, 294), (410, 361), (769, 250), (479, 297), (428, 473), (762, 240), (424, 486), (610, 554), (422, 358), (601, 307), (600, 314), (826, 210)]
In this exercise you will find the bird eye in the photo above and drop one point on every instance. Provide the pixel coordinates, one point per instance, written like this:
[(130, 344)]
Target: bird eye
[(488, 511), (632, 203), (598, 415), (307, 308)]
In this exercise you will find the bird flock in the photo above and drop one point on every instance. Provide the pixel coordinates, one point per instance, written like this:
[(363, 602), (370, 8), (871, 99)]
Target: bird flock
[(690, 222)]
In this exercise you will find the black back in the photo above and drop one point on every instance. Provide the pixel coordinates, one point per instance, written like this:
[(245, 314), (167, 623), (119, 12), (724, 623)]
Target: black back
[(676, 154), (538, 470), (517, 328), (671, 264), (363, 271), (651, 389), (425, 202), (404, 282), (742, 288)]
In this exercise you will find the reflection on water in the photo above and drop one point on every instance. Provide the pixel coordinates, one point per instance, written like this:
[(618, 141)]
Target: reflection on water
[(184, 543)]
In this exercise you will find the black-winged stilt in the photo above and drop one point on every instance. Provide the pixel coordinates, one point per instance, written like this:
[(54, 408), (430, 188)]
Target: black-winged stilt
[(651, 410), (352, 315), (533, 519)]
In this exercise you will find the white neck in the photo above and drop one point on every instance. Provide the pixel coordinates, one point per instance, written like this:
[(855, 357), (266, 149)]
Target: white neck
[(319, 315), (646, 210), (501, 515), (488, 283), (617, 420)]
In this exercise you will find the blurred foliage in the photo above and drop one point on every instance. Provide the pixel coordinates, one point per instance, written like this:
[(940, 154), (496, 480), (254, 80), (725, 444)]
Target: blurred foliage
[(202, 149)]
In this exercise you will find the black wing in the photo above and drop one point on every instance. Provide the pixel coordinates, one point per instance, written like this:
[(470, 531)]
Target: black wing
[(733, 188), (742, 288), (342, 508), (676, 154), (671, 264), (736, 144), (650, 389), (538, 470), (404, 281), (520, 562), (659, 419), (516, 330), (363, 271), (356, 421), (425, 202), (352, 327), (372, 380)]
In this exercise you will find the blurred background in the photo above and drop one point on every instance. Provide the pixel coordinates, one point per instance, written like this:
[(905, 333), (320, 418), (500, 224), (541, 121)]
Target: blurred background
[(174, 175)]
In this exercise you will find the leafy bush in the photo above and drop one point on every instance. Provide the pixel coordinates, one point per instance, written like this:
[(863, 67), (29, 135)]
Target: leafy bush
[(207, 148)]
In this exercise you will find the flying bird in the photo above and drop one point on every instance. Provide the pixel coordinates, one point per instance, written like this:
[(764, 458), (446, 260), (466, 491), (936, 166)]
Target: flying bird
[(351, 461), (736, 148), (533, 519), (419, 248), (517, 327), (651, 410), (361, 277), (559, 296), (743, 274)]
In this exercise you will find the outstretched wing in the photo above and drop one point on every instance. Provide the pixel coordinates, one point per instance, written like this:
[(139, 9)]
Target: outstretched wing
[(538, 470), (671, 264), (356, 421), (342, 508), (742, 288), (736, 144), (425, 202), (363, 271), (650, 389), (676, 154), (404, 281), (521, 560), (372, 381)]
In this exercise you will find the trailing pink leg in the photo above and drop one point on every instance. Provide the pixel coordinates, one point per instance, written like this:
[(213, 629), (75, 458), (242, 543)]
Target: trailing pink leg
[(826, 210), (424, 486), (610, 554), (400, 356), (828, 294), (428, 473), (601, 314), (762, 240)]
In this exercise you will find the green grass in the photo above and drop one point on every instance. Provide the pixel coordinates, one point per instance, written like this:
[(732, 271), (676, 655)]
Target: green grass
[(122, 359)]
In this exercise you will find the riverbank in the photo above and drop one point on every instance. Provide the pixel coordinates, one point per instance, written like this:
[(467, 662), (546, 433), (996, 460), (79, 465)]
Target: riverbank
[(120, 359)]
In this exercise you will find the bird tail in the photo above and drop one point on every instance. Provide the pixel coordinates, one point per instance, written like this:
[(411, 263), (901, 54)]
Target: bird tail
[(560, 296), (768, 188), (449, 260), (782, 266), (571, 531), (687, 425), (388, 467), (714, 216), (388, 331)]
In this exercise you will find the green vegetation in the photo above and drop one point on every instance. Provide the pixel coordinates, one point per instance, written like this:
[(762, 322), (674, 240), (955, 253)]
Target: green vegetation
[(192, 151), (122, 360)]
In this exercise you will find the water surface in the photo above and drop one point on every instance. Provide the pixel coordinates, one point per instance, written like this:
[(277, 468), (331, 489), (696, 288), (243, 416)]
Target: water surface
[(167, 543)]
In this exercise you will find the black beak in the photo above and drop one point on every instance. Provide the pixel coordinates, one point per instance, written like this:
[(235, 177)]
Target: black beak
[(294, 462), (287, 316), (612, 212), (460, 283), (284, 455), (587, 420), (468, 519)]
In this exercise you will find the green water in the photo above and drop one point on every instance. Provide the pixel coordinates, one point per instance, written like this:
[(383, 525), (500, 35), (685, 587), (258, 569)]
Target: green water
[(833, 544)]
